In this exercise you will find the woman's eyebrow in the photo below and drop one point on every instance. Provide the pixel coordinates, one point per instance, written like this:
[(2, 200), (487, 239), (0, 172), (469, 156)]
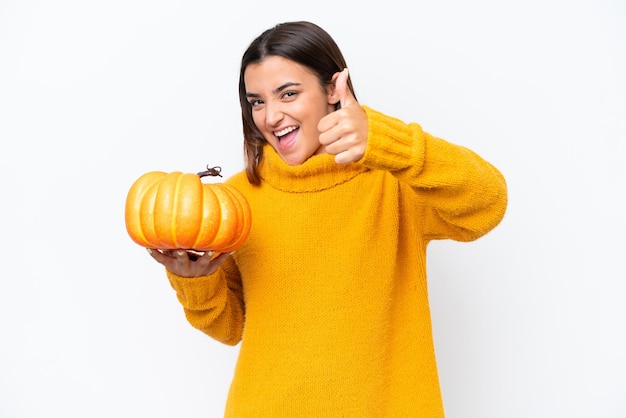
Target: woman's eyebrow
[(284, 86), (275, 91)]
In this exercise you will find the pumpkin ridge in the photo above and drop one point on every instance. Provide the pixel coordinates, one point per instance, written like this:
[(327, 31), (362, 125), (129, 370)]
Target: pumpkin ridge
[(146, 209), (228, 219), (174, 213), (131, 213), (163, 204), (209, 223), (148, 224), (137, 214), (201, 224), (245, 218)]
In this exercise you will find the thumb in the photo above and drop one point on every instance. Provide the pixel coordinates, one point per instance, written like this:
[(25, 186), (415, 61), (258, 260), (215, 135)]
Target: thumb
[(346, 98)]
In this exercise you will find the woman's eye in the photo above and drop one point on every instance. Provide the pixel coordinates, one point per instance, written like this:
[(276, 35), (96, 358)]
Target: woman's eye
[(289, 94), (257, 102)]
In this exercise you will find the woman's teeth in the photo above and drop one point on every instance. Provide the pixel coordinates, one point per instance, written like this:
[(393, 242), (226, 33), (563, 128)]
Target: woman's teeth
[(285, 131)]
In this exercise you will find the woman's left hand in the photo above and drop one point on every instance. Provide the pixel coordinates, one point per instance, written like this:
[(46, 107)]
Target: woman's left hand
[(343, 132), (185, 263)]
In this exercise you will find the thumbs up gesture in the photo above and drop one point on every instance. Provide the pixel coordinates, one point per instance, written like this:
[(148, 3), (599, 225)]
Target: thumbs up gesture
[(343, 133)]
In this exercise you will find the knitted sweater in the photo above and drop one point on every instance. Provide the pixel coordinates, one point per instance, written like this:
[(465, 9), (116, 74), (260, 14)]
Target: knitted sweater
[(328, 296)]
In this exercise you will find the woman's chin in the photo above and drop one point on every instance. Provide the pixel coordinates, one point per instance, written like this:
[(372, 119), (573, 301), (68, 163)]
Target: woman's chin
[(296, 157), (292, 160)]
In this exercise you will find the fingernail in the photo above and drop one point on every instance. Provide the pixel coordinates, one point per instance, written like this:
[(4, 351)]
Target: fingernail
[(210, 253), (149, 250)]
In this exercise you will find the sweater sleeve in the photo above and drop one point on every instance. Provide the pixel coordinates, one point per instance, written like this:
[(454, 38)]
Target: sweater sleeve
[(464, 196), (213, 304)]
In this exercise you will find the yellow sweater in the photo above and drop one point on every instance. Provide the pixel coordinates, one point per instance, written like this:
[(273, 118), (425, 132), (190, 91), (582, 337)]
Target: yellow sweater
[(328, 296)]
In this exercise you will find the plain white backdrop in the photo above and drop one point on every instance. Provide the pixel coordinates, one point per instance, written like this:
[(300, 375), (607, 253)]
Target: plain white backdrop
[(529, 321)]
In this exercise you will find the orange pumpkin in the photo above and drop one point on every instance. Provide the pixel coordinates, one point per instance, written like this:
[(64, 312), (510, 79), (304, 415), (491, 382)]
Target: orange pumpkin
[(177, 210)]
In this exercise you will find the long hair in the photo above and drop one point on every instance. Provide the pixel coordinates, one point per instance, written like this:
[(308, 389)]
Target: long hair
[(302, 42)]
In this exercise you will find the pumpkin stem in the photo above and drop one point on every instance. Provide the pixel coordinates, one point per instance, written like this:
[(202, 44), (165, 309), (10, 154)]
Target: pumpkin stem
[(211, 171)]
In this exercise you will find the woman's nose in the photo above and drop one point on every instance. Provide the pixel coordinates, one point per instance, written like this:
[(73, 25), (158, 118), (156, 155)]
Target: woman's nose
[(273, 114)]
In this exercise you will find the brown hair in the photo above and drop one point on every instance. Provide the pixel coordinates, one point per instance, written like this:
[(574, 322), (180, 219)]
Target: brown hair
[(302, 42)]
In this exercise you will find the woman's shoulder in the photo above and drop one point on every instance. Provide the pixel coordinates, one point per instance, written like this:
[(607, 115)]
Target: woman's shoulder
[(239, 179)]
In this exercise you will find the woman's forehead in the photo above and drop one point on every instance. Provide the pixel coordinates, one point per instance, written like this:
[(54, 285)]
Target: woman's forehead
[(274, 71)]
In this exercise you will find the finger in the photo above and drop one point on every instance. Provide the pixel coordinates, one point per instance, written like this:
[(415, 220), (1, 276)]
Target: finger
[(221, 257), (346, 98), (163, 257), (207, 255), (156, 254), (207, 265), (344, 157), (343, 93)]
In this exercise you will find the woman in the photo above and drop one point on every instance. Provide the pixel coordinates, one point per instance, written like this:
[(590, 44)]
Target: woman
[(328, 296)]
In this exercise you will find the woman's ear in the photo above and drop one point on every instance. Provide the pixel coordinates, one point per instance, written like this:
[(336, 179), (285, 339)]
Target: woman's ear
[(333, 97)]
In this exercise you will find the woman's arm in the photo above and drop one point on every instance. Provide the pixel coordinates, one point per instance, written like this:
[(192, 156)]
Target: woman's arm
[(466, 195), (213, 301)]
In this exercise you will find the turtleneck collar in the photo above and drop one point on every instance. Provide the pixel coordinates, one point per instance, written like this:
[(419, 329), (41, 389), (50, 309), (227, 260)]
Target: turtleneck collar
[(319, 172)]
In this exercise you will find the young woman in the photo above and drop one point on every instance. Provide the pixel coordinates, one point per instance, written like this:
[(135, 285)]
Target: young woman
[(328, 296)]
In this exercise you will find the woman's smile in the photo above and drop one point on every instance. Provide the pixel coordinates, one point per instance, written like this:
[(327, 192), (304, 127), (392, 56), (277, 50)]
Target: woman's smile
[(286, 137)]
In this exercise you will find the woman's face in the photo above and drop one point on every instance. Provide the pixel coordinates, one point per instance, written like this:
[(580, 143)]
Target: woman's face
[(287, 104)]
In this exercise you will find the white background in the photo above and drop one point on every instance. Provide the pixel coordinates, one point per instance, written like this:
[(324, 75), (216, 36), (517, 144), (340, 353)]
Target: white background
[(529, 321)]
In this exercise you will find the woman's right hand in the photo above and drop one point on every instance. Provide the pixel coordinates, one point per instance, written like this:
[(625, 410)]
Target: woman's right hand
[(188, 263)]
